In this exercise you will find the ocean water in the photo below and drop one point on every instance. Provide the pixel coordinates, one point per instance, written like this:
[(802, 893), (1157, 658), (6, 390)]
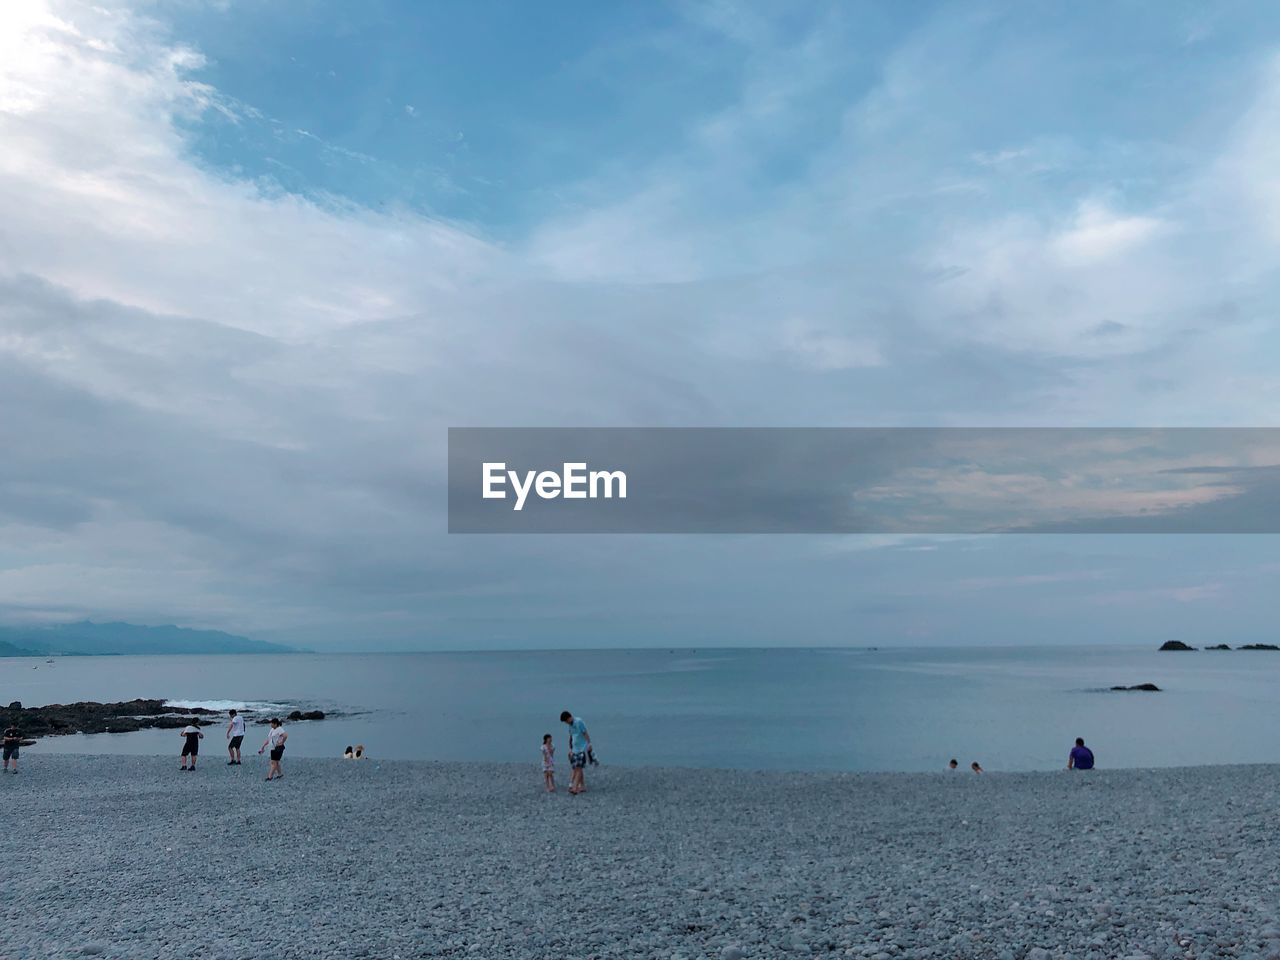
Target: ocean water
[(848, 709)]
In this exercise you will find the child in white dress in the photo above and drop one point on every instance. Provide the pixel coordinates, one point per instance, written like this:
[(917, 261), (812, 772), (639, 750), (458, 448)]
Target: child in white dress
[(549, 763)]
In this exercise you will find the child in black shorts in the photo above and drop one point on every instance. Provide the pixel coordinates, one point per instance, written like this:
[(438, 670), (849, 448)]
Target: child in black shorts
[(190, 744)]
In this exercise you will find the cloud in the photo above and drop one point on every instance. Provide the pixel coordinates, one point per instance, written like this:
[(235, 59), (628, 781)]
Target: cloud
[(1051, 286), (96, 153), (225, 403), (1189, 593), (824, 350), (1240, 190), (1100, 234)]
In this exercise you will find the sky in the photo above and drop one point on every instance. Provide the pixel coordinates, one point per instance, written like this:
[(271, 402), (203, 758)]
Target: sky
[(257, 258)]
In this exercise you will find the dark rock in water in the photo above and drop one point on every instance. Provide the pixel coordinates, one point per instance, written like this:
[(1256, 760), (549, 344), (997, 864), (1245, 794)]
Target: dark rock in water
[(1258, 646), (1175, 645), (297, 715), (123, 717), (1147, 687), (92, 717), (1218, 646)]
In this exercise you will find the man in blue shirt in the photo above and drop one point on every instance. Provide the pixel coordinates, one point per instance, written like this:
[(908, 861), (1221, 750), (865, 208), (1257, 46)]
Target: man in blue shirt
[(1081, 757), (579, 747)]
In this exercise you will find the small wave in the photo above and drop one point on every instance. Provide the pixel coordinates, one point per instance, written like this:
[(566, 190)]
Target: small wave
[(247, 706)]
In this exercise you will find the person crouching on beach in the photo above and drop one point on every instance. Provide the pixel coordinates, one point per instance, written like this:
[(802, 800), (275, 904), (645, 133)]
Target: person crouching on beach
[(549, 762), (276, 737), (235, 737), (579, 746), (191, 744), (1081, 757)]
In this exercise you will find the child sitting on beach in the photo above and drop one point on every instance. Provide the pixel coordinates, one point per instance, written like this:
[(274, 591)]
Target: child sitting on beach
[(549, 762), (349, 754)]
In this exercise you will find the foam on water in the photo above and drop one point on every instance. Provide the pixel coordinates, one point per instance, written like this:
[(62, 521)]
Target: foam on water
[(221, 706)]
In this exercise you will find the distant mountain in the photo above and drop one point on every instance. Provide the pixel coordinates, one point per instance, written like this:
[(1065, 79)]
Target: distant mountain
[(87, 638), (9, 650)]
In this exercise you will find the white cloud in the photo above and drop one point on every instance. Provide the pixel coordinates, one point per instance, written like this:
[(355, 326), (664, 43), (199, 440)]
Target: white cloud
[(222, 397), (1098, 234), (1239, 193), (1095, 284), (93, 152)]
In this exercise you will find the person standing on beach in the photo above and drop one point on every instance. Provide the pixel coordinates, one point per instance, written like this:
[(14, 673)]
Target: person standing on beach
[(579, 746), (276, 737), (12, 741), (549, 762), (235, 737), (1081, 757), (191, 744)]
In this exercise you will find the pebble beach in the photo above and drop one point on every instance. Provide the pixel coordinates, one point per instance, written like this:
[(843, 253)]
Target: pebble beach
[(127, 857)]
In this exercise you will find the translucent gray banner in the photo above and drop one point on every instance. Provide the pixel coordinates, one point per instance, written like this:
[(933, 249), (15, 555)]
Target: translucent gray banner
[(856, 480)]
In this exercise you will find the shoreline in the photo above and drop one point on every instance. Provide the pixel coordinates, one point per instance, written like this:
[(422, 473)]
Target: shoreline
[(445, 859), (216, 749), (821, 712)]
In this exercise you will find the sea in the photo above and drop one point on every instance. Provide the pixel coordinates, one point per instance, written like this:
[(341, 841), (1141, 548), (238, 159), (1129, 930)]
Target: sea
[(776, 709)]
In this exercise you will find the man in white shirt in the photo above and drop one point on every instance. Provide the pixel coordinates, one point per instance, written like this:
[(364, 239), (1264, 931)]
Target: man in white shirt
[(276, 737), (235, 737)]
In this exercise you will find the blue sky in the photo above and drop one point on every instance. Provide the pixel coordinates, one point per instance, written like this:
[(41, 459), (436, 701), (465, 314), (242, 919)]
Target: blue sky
[(257, 257), (497, 114)]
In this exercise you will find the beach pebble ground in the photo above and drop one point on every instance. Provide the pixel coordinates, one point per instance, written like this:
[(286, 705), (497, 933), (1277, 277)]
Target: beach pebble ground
[(126, 857)]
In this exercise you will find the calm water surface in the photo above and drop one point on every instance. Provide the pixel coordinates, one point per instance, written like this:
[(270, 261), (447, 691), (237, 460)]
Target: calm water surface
[(1012, 709)]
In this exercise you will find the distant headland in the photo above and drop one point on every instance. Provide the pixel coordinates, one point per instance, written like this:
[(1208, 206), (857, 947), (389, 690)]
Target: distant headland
[(87, 638)]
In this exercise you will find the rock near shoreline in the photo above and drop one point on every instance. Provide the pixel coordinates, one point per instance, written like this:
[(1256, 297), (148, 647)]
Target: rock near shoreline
[(127, 716), (1178, 645)]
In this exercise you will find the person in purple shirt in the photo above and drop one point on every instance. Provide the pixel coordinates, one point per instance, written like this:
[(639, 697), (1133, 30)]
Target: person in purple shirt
[(1081, 757)]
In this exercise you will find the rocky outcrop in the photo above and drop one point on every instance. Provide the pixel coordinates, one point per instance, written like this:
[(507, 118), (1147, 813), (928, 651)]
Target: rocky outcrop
[(296, 715), (1145, 687), (126, 716), (92, 717), (1179, 645)]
